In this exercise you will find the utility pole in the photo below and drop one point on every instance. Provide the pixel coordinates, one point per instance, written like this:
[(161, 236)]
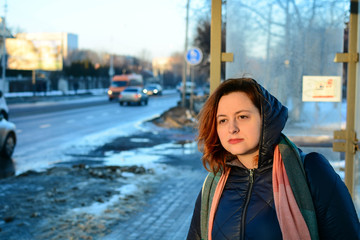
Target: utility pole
[(183, 97), (111, 68), (3, 63)]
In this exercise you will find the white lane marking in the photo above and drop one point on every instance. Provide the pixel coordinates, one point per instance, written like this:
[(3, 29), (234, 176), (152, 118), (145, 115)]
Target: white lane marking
[(70, 121), (45, 126)]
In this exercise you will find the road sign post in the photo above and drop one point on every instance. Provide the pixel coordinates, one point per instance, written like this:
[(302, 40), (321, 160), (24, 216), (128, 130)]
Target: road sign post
[(193, 57)]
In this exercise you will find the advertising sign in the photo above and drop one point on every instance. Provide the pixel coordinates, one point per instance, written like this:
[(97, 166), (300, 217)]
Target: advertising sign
[(26, 54), (321, 89)]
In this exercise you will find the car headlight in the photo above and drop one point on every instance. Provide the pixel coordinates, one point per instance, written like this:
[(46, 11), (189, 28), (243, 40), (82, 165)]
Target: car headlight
[(155, 91), (110, 92), (145, 91)]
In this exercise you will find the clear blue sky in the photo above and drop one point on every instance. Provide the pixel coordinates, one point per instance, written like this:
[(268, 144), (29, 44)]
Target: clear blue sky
[(115, 26)]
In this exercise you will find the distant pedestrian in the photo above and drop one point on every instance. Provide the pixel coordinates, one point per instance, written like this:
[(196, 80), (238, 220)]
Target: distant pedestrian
[(44, 87), (76, 87), (260, 185)]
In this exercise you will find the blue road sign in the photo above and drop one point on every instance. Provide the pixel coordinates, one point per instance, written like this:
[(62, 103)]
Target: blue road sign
[(194, 56)]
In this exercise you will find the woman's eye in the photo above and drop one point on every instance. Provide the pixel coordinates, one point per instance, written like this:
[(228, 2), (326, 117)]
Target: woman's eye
[(221, 121)]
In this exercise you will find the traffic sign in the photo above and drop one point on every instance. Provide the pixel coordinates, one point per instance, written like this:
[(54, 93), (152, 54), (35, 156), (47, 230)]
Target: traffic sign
[(194, 56)]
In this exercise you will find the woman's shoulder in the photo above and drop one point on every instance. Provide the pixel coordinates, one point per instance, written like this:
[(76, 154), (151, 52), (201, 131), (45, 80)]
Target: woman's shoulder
[(318, 169), (326, 186), (336, 214)]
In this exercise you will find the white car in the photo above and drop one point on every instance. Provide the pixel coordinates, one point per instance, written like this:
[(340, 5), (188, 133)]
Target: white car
[(7, 137), (190, 87), (133, 95), (4, 110)]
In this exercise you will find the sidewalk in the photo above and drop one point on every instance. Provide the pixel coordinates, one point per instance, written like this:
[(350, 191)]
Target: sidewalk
[(52, 96), (168, 213)]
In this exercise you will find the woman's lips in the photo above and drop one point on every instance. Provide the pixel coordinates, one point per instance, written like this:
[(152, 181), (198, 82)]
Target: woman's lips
[(235, 140)]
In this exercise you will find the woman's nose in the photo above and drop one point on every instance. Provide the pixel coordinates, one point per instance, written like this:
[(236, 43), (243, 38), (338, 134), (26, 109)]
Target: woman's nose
[(233, 128)]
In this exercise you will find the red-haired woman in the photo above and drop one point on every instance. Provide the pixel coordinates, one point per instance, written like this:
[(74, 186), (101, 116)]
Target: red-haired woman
[(260, 185)]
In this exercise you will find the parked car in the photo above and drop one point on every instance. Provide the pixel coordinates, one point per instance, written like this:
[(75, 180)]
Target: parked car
[(133, 95), (7, 137), (153, 89), (4, 110), (190, 87)]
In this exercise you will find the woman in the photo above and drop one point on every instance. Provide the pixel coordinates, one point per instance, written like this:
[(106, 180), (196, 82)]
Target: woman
[(260, 185)]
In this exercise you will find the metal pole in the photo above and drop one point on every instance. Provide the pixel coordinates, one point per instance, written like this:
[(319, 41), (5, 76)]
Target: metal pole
[(191, 104), (3, 63), (111, 68), (215, 46), (185, 63), (351, 87), (34, 82)]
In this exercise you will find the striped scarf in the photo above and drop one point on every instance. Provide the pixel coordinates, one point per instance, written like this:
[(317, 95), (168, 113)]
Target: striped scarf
[(293, 202)]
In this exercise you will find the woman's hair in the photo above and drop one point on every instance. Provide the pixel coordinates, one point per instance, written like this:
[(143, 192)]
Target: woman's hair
[(214, 155)]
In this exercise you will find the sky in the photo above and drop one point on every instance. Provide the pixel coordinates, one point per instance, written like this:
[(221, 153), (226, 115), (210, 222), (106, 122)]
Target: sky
[(134, 27)]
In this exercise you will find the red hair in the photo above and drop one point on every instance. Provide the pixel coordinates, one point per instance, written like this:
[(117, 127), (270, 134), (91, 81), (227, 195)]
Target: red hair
[(214, 155)]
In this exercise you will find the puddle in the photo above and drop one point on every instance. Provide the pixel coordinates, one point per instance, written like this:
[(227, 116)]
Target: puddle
[(139, 140), (148, 156), (128, 158)]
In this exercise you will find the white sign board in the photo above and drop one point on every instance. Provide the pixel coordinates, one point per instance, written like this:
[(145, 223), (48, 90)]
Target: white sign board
[(321, 89)]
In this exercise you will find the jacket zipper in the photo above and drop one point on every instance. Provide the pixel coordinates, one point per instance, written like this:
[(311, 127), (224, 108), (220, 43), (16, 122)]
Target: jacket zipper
[(243, 217)]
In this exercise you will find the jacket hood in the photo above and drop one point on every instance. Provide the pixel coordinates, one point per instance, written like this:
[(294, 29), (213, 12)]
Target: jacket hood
[(273, 119)]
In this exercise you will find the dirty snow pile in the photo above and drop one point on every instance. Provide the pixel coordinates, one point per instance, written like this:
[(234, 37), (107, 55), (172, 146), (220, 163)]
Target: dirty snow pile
[(176, 117)]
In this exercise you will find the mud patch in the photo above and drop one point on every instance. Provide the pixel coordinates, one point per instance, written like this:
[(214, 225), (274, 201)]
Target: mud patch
[(37, 205), (139, 140)]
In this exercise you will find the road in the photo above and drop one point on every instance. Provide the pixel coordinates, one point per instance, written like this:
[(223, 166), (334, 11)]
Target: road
[(46, 130)]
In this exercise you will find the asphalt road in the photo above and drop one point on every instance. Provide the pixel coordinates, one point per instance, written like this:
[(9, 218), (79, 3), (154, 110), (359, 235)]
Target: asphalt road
[(45, 130)]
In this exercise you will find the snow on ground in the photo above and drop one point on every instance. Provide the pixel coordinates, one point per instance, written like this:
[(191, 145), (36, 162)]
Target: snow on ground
[(98, 208), (98, 91)]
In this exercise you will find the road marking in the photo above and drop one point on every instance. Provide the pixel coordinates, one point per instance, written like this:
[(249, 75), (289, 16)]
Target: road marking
[(45, 126), (18, 131), (70, 121), (90, 117)]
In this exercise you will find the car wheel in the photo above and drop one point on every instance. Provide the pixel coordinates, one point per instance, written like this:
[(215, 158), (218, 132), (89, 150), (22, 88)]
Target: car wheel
[(121, 103), (146, 102), (5, 115), (9, 145)]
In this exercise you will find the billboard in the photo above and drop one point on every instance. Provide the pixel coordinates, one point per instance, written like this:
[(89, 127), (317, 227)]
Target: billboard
[(24, 54)]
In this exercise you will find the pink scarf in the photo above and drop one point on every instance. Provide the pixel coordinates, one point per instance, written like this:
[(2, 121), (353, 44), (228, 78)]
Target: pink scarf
[(291, 221)]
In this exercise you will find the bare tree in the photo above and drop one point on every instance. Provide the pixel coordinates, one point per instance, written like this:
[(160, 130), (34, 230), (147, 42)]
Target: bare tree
[(282, 40)]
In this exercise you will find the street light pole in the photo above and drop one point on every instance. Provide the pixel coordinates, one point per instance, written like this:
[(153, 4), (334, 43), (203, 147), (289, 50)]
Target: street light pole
[(111, 68), (3, 63), (185, 63)]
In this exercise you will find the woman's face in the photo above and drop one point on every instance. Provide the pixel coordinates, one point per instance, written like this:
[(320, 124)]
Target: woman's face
[(238, 124)]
